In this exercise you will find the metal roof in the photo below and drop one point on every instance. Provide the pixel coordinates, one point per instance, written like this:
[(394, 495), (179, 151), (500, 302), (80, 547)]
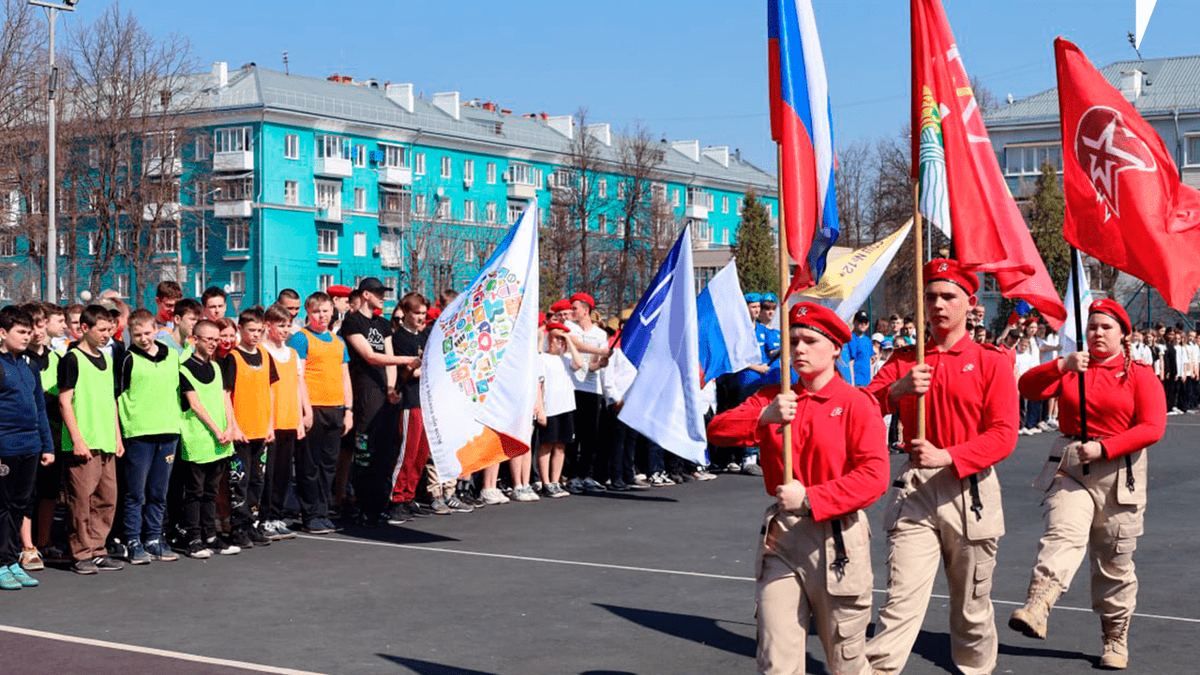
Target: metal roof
[(1168, 84), (255, 87)]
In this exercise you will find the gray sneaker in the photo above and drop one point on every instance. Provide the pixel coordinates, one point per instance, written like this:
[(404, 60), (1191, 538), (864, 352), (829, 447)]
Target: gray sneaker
[(592, 485), (457, 506), (440, 507)]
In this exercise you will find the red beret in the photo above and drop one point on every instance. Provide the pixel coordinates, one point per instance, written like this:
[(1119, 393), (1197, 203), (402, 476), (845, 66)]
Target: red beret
[(554, 325), (338, 291), (944, 269), (1112, 308), (584, 298), (561, 306), (432, 314), (821, 319)]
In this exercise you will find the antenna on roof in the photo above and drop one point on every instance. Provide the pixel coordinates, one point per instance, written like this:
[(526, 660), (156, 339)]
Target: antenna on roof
[(285, 63), (1133, 43)]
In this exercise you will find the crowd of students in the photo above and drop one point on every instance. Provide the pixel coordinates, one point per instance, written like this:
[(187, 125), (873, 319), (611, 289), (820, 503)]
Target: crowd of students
[(182, 431)]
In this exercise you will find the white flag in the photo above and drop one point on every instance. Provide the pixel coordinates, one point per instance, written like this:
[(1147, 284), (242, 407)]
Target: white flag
[(1066, 334)]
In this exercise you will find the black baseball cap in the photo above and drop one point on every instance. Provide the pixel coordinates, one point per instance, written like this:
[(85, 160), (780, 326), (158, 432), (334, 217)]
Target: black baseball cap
[(373, 285), (862, 317)]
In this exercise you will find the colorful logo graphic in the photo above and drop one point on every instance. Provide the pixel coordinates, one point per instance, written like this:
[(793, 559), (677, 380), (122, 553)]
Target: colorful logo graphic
[(476, 335)]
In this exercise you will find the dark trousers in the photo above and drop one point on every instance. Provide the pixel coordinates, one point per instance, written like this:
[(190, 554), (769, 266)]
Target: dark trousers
[(278, 476), (654, 456), (247, 471), (200, 484), (316, 461), (1033, 414), (148, 462), (1171, 386), (624, 446), (589, 455), (16, 503), (375, 466)]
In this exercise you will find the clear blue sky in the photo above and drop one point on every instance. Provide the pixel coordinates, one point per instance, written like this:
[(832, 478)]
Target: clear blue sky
[(686, 68)]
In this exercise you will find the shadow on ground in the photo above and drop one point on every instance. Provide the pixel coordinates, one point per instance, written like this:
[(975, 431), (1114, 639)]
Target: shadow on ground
[(935, 648), (430, 668)]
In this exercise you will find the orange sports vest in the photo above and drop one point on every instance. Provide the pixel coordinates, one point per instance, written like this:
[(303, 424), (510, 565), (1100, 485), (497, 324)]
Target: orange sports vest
[(287, 403), (323, 370), (251, 394)]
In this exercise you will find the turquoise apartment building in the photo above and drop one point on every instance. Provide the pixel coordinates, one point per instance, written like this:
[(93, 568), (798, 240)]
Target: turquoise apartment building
[(299, 182)]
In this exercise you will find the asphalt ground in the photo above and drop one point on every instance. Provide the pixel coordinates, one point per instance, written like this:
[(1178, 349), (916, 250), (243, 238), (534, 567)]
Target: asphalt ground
[(651, 583)]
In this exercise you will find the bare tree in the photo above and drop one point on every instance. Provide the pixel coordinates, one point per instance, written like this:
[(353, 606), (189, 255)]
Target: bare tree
[(575, 186), (852, 181), (639, 158)]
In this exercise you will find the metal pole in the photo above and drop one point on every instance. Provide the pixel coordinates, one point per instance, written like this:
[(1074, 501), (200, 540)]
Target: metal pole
[(52, 178)]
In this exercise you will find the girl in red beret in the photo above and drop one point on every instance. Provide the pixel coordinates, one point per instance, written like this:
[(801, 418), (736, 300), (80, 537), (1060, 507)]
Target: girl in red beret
[(1096, 488)]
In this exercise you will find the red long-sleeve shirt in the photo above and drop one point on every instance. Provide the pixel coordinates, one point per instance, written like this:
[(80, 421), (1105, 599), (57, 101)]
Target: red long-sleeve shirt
[(970, 408), (839, 445), (1128, 411)]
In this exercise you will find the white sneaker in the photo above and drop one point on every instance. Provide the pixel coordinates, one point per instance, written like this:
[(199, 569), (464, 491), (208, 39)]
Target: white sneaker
[(493, 496), (525, 493), (1053, 423), (1044, 426)]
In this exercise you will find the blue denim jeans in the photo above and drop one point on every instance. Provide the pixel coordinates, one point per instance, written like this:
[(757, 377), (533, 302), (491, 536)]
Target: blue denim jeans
[(148, 462)]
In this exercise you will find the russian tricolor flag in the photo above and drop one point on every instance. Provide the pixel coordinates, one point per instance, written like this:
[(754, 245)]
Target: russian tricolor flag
[(802, 124)]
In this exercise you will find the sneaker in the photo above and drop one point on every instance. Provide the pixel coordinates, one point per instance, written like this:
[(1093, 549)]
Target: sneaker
[(22, 578), (54, 554), (137, 555), (660, 479), (733, 467), (316, 526), (457, 506), (280, 530), (85, 567), (639, 477), (418, 509), (221, 547), (575, 486), (398, 515), (117, 549), (1044, 426), (639, 484), (618, 486), (259, 537), (703, 474), (159, 552), (31, 560), (106, 563), (590, 484), (330, 525), (196, 549), (241, 539), (557, 491), (536, 485), (1053, 422), (493, 496), (438, 506), (8, 581), (524, 493)]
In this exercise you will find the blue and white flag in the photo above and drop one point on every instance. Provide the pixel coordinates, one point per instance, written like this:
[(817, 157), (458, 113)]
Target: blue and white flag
[(1066, 335), (636, 334), (727, 340), (664, 402)]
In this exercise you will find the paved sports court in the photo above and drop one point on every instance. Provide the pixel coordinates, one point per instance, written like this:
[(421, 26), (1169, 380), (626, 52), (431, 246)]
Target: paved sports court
[(652, 583)]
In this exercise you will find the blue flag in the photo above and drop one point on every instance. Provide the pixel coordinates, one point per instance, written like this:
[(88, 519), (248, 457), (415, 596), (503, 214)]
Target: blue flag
[(636, 334)]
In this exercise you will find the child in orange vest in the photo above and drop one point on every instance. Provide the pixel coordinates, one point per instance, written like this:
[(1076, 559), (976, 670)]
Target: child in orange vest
[(292, 417)]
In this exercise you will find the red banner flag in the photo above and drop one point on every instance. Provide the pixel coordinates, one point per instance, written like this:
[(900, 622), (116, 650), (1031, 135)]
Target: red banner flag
[(988, 231), (1125, 204)]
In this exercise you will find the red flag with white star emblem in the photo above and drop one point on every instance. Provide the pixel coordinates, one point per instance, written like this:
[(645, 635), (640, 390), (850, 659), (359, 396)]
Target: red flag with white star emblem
[(1125, 203)]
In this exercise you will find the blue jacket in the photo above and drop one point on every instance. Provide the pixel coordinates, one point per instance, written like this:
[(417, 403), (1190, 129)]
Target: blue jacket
[(24, 429)]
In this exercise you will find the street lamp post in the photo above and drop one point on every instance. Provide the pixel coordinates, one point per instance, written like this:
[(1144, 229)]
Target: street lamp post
[(52, 9)]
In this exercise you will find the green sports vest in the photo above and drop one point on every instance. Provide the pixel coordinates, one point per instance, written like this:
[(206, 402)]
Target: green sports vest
[(199, 444), (151, 403), (94, 405), (50, 374)]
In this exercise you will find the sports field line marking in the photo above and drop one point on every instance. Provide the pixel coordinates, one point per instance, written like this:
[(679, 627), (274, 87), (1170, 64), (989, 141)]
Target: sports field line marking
[(180, 656), (652, 570)]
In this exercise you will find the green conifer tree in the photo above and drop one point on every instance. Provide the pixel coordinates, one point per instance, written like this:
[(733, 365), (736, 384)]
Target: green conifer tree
[(757, 257)]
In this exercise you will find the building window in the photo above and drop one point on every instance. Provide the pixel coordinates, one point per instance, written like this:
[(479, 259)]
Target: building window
[(621, 190), (741, 204), (602, 188), (329, 194), (390, 282), (360, 199), (446, 167), (515, 209), (123, 241), (166, 240), (291, 146), (237, 282), (419, 204), (237, 236), (235, 139), (1024, 160), (725, 204), (201, 150), (490, 214), (8, 245), (395, 156), (703, 230), (491, 173), (521, 174), (234, 190), (420, 164), (620, 226), (468, 171), (123, 285), (324, 281), (658, 193), (675, 197), (698, 197), (602, 223), (469, 252), (291, 192), (444, 208), (332, 147), (360, 244), (327, 243), (360, 155), (469, 211), (1192, 158)]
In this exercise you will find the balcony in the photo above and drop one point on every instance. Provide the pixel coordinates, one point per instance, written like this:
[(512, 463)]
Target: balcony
[(395, 217), (521, 191), (233, 208), (331, 214), (233, 161), (164, 166), (697, 211), (162, 212), (333, 166), (395, 175)]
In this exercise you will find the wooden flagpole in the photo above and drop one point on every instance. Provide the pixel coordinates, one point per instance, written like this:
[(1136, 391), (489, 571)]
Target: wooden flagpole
[(785, 338), (919, 244)]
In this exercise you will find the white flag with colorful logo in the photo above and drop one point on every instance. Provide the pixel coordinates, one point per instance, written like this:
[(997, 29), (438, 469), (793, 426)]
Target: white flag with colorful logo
[(478, 374)]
